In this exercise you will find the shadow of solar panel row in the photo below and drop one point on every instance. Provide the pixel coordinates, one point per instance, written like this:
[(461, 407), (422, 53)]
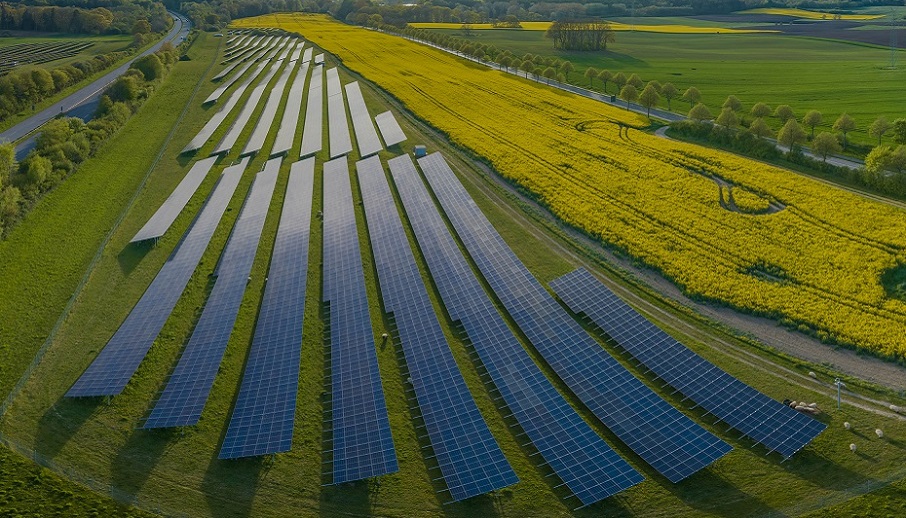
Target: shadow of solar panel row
[(262, 420), (663, 436), (775, 425), (187, 390), (269, 113), (362, 444), (584, 462), (467, 454), (158, 224), (390, 129), (248, 109), (291, 112), (109, 373), (337, 125), (365, 134), (265, 54), (312, 134)]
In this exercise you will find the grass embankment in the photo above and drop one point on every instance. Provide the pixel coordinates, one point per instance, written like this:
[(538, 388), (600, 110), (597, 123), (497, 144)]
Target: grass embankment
[(801, 72)]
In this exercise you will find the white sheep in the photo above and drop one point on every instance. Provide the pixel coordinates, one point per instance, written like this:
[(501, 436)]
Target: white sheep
[(847, 425), (879, 433), (812, 374), (852, 448)]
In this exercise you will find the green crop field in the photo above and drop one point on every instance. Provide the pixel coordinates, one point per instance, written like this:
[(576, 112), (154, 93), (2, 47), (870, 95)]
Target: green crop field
[(806, 73)]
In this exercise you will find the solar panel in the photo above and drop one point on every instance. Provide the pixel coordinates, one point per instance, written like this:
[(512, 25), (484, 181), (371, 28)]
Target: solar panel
[(306, 58), (291, 112), (319, 59), (242, 120), (297, 51), (267, 52), (362, 444), (312, 138), (337, 124), (262, 420), (664, 437), (187, 390), (109, 373), (365, 134), (269, 113), (390, 129), (769, 422), (176, 202), (467, 454), (582, 460)]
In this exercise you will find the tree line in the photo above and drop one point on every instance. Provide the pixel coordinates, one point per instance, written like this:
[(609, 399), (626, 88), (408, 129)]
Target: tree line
[(101, 17), (587, 35)]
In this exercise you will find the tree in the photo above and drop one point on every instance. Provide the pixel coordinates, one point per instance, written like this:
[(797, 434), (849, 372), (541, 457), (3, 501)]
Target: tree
[(885, 158), (844, 124), (692, 96), (619, 80), (760, 128), (549, 73), (649, 97), (10, 199), (879, 127), (733, 103), (505, 62), (784, 113), (791, 134), (656, 85), (605, 76), (565, 68), (7, 162), (700, 113), (635, 81), (580, 35), (629, 94), (43, 81), (141, 26), (825, 144), (528, 67), (150, 66), (591, 73), (123, 89), (36, 169), (727, 118), (812, 119), (899, 131), (760, 110), (669, 92)]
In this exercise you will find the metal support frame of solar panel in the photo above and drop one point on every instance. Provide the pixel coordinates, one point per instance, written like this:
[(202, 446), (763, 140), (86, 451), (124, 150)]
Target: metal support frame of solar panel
[(111, 370), (663, 436), (290, 121), (248, 109), (586, 464), (467, 454), (217, 119), (365, 135), (337, 125), (771, 423), (166, 214), (269, 113), (312, 133), (390, 129), (187, 390), (264, 54), (362, 443), (262, 420)]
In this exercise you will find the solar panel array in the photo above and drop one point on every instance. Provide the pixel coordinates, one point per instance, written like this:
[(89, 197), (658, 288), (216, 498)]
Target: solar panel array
[(109, 373), (390, 129), (291, 112), (365, 134), (583, 461), (176, 202), (337, 124), (362, 444), (245, 114), (187, 390), (262, 420), (269, 113), (319, 59), (240, 53), (664, 437), (467, 454), (769, 422), (266, 52), (312, 137)]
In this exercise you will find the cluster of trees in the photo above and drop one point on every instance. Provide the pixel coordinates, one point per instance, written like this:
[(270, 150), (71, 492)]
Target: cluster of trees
[(94, 17), (66, 142), (212, 15), (580, 35)]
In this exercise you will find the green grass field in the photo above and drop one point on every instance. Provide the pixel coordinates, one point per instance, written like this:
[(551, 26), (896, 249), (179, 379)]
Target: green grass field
[(177, 471), (829, 76)]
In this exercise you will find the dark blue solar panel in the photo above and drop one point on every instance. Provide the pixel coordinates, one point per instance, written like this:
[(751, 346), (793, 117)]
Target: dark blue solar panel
[(187, 390), (585, 463), (769, 422), (262, 421), (362, 444), (109, 373), (468, 456), (663, 436)]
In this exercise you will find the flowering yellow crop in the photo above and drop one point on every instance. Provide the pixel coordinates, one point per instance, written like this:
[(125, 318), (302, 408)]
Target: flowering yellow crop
[(543, 26), (652, 197), (810, 15)]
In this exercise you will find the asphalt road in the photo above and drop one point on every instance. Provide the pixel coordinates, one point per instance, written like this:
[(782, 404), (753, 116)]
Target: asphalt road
[(83, 102)]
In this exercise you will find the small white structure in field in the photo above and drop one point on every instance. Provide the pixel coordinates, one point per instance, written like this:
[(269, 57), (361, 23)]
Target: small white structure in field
[(812, 374), (420, 151), (879, 433), (852, 448), (847, 425)]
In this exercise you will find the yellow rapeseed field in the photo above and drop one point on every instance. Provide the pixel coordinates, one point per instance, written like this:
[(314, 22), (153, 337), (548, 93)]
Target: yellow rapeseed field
[(543, 26), (817, 261), (810, 15)]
